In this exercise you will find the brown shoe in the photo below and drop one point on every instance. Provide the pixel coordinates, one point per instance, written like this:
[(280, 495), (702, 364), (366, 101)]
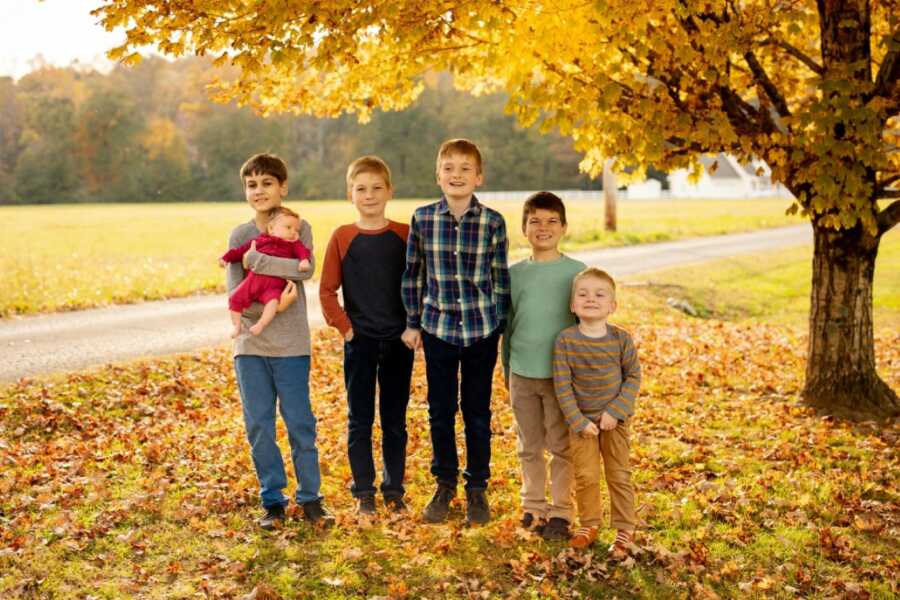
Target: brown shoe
[(584, 537), (621, 546)]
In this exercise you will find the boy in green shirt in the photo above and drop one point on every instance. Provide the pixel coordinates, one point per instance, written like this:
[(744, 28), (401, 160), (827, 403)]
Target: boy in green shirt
[(539, 310)]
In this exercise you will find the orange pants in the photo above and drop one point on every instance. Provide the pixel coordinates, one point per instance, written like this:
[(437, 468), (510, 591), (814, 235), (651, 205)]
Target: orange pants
[(609, 453)]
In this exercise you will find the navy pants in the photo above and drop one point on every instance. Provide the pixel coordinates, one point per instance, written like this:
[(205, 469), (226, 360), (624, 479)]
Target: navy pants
[(460, 377), (389, 363)]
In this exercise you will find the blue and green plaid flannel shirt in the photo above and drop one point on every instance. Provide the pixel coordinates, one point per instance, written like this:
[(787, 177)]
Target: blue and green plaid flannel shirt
[(456, 283)]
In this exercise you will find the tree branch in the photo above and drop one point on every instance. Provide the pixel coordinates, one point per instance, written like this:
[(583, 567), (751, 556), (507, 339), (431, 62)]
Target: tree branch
[(887, 181), (759, 73), (889, 72), (798, 54), (890, 216)]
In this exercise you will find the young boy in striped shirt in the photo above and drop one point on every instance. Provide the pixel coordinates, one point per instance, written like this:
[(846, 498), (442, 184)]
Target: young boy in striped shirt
[(456, 293), (596, 376)]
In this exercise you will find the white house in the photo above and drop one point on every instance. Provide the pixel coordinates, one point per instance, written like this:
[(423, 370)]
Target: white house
[(727, 179)]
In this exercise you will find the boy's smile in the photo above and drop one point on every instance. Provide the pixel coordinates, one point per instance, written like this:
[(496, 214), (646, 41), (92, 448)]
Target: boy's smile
[(369, 194), (593, 299), (264, 192), (544, 229), (458, 176)]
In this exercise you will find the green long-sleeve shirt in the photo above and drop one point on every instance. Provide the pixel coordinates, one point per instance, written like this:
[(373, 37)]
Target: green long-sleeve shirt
[(539, 310)]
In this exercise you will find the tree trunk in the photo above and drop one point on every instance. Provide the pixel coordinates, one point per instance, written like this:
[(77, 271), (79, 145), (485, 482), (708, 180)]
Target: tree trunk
[(840, 373), (609, 196)]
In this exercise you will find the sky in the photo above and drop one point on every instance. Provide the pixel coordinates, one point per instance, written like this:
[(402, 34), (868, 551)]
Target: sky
[(61, 31)]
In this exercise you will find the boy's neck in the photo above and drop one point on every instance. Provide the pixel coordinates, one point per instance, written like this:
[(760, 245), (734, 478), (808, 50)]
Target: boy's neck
[(593, 328), (262, 221), (458, 205), (545, 255), (372, 222)]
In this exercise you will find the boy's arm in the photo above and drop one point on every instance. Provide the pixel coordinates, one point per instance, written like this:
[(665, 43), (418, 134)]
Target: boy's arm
[(500, 274), (286, 268), (234, 272), (236, 254), (413, 286), (622, 405), (329, 284), (505, 346), (562, 386)]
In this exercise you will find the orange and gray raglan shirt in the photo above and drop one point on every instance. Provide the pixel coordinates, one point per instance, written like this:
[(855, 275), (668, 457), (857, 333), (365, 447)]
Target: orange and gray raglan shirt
[(595, 375), (367, 266)]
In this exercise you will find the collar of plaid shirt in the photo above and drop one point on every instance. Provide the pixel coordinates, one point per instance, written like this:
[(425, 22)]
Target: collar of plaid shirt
[(474, 206)]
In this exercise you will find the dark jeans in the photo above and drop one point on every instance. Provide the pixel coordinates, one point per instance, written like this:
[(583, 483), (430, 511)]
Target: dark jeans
[(367, 360), (443, 363)]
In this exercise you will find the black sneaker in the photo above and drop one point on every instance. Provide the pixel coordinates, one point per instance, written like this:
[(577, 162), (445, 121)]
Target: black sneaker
[(532, 523), (317, 514), (439, 507), (395, 504), (556, 528), (477, 510), (273, 518), (366, 505)]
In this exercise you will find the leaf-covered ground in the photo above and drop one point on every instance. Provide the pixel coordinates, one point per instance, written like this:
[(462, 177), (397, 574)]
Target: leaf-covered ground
[(136, 481)]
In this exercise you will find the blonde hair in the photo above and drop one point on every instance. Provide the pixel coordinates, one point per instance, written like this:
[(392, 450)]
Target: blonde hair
[(596, 274), (459, 146), (369, 164)]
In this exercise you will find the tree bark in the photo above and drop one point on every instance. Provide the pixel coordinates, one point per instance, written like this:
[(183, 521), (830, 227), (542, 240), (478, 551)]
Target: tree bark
[(841, 379)]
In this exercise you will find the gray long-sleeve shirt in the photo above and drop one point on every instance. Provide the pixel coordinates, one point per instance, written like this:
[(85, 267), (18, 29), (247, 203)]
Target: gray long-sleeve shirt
[(288, 333)]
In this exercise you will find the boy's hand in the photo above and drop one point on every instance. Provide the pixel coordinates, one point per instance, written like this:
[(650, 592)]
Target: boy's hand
[(349, 335), (590, 430), (608, 422), (288, 295), (222, 263), (247, 255), (412, 338), (304, 265)]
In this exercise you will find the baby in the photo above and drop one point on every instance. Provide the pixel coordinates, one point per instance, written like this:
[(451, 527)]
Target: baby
[(282, 239)]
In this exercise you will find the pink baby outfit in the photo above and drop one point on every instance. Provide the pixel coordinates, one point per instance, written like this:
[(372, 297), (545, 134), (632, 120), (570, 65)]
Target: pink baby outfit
[(262, 288)]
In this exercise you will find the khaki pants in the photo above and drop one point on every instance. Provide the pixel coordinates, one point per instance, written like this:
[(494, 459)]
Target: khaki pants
[(610, 453), (540, 425)]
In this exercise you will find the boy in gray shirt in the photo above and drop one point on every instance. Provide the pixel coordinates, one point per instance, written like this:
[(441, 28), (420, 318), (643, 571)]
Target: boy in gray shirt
[(275, 363)]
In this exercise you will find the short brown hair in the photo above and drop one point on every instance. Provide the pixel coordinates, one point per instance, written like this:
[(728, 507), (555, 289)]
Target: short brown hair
[(595, 273), (281, 211), (369, 164), (545, 201), (264, 164), (459, 146)]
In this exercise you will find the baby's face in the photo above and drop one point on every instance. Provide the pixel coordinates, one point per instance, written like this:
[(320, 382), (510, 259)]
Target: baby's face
[(285, 227)]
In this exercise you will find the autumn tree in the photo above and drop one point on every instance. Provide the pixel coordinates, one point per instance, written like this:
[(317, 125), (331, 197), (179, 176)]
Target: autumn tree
[(810, 87)]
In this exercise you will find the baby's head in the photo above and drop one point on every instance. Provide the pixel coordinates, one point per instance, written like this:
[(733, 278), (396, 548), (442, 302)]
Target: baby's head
[(284, 223)]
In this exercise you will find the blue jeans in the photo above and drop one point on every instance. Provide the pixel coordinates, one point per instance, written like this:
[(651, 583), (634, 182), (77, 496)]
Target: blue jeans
[(460, 376), (260, 379), (389, 362)]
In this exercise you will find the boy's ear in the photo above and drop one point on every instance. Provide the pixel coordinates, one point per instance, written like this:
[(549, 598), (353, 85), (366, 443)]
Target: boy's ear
[(284, 189)]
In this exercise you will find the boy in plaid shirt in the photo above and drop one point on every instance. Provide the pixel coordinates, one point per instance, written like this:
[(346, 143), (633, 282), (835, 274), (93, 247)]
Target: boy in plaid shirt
[(456, 293)]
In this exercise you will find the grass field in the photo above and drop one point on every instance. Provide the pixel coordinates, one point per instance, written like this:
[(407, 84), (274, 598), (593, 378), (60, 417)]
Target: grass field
[(135, 480), (79, 256)]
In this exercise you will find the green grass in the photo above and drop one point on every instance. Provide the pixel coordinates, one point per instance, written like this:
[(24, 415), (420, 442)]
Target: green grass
[(79, 256), (771, 286)]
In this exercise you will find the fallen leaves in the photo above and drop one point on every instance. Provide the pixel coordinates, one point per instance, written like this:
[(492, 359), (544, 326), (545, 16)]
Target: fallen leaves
[(140, 474)]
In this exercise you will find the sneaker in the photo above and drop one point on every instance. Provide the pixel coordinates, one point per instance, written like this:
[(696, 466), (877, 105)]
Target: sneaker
[(395, 504), (273, 518), (366, 505), (477, 510), (439, 507), (556, 528), (315, 513), (584, 537), (532, 523), (621, 546)]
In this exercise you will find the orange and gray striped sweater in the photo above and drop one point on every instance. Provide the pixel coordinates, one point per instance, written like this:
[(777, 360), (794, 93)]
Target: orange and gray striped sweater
[(593, 375)]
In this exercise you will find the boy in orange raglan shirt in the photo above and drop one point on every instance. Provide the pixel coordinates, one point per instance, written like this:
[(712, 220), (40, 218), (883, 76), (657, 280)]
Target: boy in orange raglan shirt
[(366, 260)]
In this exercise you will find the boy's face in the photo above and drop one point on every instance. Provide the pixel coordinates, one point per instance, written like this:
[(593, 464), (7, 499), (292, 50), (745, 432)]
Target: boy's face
[(458, 176), (369, 194), (264, 192), (544, 229), (285, 227), (593, 299)]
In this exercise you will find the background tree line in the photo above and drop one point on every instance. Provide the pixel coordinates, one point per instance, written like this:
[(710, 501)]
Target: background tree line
[(150, 133)]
